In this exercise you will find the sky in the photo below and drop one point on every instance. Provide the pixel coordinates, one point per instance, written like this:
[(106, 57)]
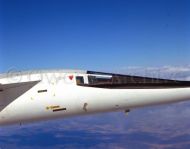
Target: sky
[(127, 36), (96, 34)]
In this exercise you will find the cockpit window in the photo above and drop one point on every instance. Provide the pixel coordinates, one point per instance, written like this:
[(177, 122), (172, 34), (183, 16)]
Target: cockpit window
[(119, 81), (80, 80), (99, 79)]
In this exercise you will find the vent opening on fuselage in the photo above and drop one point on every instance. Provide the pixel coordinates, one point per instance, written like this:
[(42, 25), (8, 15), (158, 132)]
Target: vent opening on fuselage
[(42, 91)]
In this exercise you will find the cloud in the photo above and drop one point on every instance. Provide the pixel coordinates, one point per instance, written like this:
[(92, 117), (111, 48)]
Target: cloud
[(169, 72)]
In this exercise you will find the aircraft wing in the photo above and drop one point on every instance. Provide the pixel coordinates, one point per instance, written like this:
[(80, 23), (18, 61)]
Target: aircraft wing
[(9, 92)]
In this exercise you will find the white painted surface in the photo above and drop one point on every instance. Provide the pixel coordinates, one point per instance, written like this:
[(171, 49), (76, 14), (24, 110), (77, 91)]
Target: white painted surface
[(63, 92)]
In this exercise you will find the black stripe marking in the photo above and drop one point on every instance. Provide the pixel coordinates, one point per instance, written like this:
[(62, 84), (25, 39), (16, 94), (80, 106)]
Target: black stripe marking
[(42, 91), (138, 86), (60, 109)]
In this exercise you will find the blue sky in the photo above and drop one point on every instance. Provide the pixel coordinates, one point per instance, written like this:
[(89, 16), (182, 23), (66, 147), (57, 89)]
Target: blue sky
[(99, 35), (93, 34)]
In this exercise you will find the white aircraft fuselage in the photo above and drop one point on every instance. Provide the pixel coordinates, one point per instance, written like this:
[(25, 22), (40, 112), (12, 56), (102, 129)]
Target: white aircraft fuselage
[(43, 95)]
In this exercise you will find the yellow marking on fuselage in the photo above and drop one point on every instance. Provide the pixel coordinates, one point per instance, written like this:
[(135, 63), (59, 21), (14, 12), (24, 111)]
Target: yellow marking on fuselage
[(52, 107)]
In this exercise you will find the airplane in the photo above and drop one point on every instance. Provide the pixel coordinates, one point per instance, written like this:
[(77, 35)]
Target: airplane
[(32, 96)]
